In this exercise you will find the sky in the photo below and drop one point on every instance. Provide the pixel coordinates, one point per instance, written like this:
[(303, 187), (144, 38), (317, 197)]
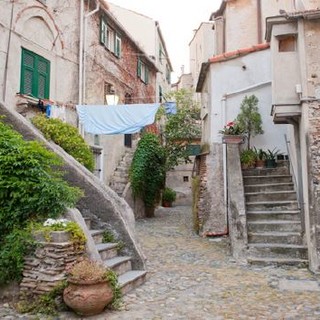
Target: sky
[(177, 19)]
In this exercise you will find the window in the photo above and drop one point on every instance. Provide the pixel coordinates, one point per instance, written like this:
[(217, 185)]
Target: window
[(160, 53), (287, 44), (35, 75), (160, 94), (110, 39), (142, 72)]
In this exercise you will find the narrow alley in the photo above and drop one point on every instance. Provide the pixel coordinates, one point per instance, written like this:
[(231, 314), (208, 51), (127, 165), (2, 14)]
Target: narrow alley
[(192, 278)]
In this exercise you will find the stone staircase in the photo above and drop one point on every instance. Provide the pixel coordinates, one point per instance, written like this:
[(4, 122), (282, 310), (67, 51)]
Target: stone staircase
[(273, 218), (109, 252), (120, 176)]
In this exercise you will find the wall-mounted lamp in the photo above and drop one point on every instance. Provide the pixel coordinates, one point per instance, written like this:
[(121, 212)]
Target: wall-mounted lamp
[(112, 99)]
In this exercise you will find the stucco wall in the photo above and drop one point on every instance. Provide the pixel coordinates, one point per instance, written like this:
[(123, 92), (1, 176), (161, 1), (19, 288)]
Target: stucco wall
[(231, 81)]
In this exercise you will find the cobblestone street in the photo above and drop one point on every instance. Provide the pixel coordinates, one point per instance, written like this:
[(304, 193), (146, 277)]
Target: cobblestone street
[(192, 278)]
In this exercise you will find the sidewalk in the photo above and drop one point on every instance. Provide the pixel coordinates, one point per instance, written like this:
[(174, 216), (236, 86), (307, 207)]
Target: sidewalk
[(192, 278)]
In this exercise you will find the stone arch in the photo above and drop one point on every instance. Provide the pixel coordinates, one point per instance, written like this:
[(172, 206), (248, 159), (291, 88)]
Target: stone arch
[(36, 18)]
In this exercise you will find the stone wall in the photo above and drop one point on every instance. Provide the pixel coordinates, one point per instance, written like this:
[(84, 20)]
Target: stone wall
[(46, 268)]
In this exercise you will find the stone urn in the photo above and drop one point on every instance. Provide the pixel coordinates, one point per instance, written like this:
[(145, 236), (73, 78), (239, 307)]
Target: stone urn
[(87, 297)]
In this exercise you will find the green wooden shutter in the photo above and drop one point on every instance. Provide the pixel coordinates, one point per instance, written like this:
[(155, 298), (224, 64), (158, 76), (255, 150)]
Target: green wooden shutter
[(103, 28), (139, 68), (146, 75), (118, 46), (27, 72), (43, 78)]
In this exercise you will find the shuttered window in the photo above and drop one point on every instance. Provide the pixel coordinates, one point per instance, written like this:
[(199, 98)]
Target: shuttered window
[(35, 75)]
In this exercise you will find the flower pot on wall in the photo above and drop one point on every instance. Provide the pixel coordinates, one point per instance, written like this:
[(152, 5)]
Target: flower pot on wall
[(233, 139)]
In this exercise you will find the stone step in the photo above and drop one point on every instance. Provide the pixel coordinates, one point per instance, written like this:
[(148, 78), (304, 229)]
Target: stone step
[(277, 250), (274, 225), (115, 185), (270, 196), (275, 237), (131, 280), (121, 169), (273, 215), (88, 221), (283, 170), (107, 250), (269, 179), (119, 264), (120, 176), (269, 187), (272, 205), (97, 235), (302, 263)]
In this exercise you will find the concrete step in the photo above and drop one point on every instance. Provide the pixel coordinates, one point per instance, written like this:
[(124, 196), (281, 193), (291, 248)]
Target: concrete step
[(269, 187), (256, 215), (268, 179), (277, 250), (119, 264), (272, 205), (119, 176), (274, 225), (88, 221), (302, 263), (283, 170), (97, 236), (107, 250), (131, 279), (275, 237), (270, 196)]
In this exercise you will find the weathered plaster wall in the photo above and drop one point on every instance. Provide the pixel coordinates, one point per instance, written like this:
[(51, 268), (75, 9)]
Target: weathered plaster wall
[(231, 81), (312, 45)]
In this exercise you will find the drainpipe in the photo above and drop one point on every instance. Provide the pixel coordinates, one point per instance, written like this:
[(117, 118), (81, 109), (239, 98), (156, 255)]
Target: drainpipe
[(85, 47), (259, 19), (81, 51), (224, 157), (4, 92)]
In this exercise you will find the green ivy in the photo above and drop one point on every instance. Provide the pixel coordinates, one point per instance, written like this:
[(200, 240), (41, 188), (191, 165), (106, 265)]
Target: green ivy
[(31, 188), (147, 171), (67, 137)]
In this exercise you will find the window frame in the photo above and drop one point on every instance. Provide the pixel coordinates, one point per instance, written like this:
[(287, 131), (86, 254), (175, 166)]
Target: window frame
[(36, 75), (110, 38)]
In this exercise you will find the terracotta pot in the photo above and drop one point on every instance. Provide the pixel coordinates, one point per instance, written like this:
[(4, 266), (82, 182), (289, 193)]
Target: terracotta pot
[(87, 298), (233, 139), (166, 204)]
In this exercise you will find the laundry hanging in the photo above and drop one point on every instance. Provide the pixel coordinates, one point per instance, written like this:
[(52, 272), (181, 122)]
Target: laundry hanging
[(120, 119)]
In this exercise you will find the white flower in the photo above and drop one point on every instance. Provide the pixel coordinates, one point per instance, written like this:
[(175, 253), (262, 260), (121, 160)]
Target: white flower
[(51, 222)]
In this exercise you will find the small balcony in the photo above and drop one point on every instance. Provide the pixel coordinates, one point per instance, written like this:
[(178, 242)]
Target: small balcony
[(285, 113)]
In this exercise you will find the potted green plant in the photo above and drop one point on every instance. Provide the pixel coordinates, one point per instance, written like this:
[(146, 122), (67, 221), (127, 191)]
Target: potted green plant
[(168, 197), (249, 118), (271, 156), (247, 158), (232, 133), (260, 157), (91, 287)]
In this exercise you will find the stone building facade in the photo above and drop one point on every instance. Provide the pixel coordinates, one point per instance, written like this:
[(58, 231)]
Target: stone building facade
[(295, 44), (58, 53)]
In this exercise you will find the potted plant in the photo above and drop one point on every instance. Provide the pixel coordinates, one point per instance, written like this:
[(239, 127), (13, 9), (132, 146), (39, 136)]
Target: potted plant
[(247, 158), (168, 196), (260, 157), (271, 156), (232, 133), (89, 289), (249, 118)]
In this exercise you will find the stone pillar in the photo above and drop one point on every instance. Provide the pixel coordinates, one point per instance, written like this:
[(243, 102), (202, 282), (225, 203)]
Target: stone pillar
[(212, 210)]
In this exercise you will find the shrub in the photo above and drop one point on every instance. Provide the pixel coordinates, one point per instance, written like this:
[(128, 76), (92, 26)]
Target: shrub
[(31, 188), (67, 137), (147, 171), (169, 195)]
